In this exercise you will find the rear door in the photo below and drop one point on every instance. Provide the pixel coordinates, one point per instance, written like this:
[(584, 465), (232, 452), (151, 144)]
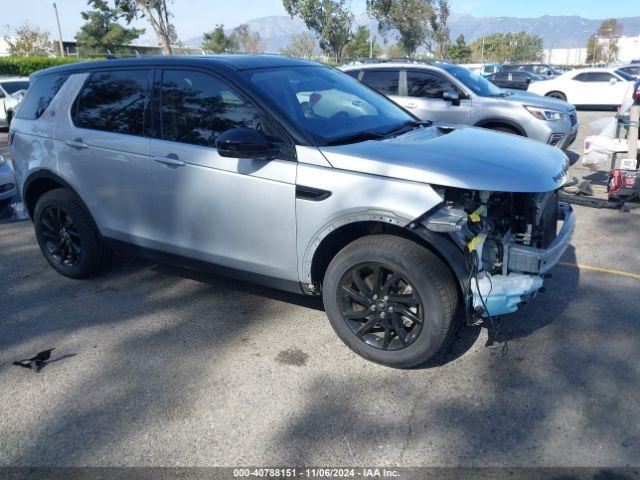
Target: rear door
[(424, 97), (104, 154), (385, 81), (520, 80), (239, 213), (501, 79)]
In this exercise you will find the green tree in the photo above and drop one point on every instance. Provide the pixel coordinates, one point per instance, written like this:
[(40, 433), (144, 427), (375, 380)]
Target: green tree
[(507, 47), (244, 40), (303, 45), (216, 41), (440, 31), (329, 19), (395, 51), (29, 41), (411, 18), (603, 45), (359, 45), (101, 32), (157, 13), (459, 52)]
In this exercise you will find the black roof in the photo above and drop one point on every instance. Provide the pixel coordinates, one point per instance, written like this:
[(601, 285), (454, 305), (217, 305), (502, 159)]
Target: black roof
[(226, 62)]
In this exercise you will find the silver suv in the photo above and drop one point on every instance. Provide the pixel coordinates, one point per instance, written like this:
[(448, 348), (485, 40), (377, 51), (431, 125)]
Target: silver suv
[(453, 94), (294, 175)]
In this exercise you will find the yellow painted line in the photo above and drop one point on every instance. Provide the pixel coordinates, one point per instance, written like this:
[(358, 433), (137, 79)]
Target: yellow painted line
[(600, 269)]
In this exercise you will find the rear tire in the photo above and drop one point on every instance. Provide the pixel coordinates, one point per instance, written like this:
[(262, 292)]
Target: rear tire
[(421, 304), (66, 235), (558, 95)]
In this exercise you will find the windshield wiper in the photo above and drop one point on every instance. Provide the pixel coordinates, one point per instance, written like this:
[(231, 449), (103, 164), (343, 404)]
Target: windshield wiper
[(410, 125), (355, 138)]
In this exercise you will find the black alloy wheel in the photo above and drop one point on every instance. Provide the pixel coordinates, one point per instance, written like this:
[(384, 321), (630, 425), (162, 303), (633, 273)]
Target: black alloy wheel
[(62, 239), (380, 306)]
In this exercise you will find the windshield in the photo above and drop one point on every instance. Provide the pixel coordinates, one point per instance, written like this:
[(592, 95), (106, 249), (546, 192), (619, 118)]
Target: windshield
[(477, 83), (328, 105), (626, 75), (13, 87)]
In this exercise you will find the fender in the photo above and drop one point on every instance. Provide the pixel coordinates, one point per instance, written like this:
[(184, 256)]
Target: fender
[(502, 120), (43, 174)]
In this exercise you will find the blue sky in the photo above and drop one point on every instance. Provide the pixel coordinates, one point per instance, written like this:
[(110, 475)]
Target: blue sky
[(192, 17)]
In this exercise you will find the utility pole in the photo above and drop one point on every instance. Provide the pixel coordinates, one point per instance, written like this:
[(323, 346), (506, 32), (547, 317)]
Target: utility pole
[(55, 9), (369, 5)]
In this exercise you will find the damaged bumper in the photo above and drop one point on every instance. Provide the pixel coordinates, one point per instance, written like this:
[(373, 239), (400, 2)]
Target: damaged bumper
[(525, 267)]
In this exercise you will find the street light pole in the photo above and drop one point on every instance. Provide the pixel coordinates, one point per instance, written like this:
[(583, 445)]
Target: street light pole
[(369, 5), (55, 9)]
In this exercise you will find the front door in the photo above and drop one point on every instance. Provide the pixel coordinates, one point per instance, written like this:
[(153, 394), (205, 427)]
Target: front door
[(238, 213), (424, 98)]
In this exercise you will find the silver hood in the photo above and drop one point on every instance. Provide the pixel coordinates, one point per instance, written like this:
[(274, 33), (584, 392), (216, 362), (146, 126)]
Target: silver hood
[(471, 158), (529, 98)]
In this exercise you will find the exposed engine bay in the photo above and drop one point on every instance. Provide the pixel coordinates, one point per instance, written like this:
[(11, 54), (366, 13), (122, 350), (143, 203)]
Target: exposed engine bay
[(510, 241)]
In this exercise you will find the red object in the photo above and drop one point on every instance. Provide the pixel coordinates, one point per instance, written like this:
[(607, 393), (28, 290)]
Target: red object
[(314, 98)]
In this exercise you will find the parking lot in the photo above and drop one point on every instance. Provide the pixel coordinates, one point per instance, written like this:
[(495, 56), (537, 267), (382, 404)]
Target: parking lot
[(161, 366)]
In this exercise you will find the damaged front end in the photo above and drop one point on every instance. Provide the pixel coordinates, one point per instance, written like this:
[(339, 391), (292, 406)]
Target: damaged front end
[(508, 242)]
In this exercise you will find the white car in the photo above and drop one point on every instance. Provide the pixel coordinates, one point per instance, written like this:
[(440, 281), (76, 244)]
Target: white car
[(12, 91), (601, 87)]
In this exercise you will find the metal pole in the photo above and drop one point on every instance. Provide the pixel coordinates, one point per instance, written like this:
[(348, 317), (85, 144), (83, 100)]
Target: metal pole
[(369, 2), (55, 9), (632, 135)]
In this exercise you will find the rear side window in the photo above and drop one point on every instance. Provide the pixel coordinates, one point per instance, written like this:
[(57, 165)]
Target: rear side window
[(113, 102), (39, 96), (384, 81), (353, 73), (427, 84), (197, 107)]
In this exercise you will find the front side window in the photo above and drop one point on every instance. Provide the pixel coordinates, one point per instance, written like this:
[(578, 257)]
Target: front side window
[(427, 84), (601, 77), (113, 102), (384, 81), (39, 96), (476, 83), (196, 107), (326, 104)]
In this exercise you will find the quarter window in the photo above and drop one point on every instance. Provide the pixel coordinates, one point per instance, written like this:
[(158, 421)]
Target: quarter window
[(384, 81), (427, 84), (197, 107), (39, 96), (113, 102)]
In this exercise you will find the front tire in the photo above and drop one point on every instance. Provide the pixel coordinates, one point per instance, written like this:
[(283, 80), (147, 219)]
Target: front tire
[(66, 235), (391, 300), (558, 95)]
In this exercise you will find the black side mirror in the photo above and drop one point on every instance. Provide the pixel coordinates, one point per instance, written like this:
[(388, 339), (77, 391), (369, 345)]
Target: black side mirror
[(245, 143), (451, 96)]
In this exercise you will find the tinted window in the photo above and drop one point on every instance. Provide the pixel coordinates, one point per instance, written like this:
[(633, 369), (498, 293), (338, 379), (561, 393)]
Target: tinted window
[(113, 102), (501, 77), (384, 81), (519, 77), (594, 77), (197, 107), (39, 96), (353, 73), (427, 84), (13, 87)]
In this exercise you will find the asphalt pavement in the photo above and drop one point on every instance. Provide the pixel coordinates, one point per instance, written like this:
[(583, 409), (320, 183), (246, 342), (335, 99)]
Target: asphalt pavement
[(157, 366)]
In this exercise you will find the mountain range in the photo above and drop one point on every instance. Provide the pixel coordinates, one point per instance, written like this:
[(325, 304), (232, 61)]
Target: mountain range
[(557, 31)]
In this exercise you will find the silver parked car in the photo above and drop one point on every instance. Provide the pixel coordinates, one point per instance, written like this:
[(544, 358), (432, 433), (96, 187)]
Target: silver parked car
[(294, 175), (12, 91), (454, 94), (7, 182)]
